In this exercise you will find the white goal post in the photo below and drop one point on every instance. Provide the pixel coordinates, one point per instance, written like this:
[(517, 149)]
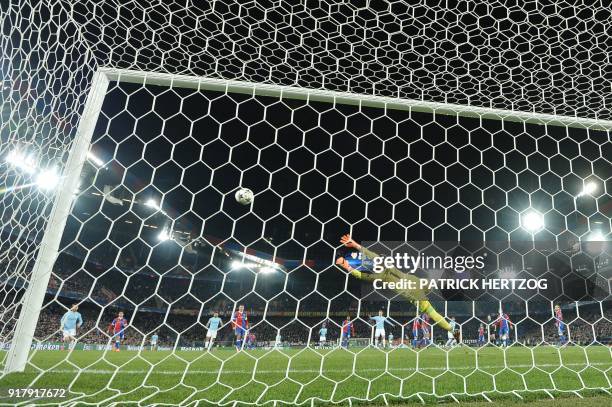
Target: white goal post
[(33, 298)]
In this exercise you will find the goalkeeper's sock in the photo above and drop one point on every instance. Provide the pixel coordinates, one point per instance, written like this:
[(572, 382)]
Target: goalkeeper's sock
[(239, 344), (426, 307)]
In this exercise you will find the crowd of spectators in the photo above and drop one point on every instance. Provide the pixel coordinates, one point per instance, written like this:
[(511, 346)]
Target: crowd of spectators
[(171, 306), (189, 330)]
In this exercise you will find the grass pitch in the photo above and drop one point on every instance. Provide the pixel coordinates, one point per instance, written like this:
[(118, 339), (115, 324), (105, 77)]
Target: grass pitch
[(298, 376)]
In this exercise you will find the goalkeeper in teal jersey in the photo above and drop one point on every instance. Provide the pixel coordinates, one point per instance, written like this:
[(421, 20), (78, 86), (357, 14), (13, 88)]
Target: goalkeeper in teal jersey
[(379, 332)]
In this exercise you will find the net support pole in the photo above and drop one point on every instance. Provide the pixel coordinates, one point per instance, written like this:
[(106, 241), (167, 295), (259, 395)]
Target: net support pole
[(33, 298)]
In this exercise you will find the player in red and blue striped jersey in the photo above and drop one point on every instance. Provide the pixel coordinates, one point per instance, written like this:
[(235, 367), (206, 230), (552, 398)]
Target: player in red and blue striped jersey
[(481, 335), (117, 329), (416, 328), (505, 325), (348, 330), (240, 322), (425, 329), (250, 341), (561, 328)]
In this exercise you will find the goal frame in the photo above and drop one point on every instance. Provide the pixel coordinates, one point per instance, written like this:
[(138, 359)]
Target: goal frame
[(32, 301)]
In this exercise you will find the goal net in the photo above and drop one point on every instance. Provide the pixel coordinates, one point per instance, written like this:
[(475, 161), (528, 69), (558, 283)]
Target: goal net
[(127, 131)]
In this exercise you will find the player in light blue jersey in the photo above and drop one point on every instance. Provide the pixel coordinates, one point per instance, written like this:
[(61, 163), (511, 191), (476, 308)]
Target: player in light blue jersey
[(278, 341), (323, 335), (451, 341), (379, 332), (213, 326), (69, 324), (154, 339)]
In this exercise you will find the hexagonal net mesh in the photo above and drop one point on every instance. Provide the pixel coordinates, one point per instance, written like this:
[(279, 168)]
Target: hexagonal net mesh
[(153, 229)]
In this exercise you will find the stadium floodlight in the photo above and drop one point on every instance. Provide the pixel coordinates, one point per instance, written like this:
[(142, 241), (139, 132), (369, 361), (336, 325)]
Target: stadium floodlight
[(596, 236), (21, 161), (94, 159), (14, 158), (267, 269), (507, 272), (164, 235), (238, 264), (47, 179), (589, 189), (532, 221), (151, 203)]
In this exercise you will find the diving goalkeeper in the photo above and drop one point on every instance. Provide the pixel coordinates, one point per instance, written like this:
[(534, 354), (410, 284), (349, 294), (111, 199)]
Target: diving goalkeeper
[(417, 296)]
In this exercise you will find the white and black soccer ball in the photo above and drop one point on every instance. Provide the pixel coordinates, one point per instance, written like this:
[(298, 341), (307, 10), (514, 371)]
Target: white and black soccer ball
[(244, 196)]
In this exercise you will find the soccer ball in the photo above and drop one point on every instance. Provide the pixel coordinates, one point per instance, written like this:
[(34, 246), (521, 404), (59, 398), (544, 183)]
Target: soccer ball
[(244, 196)]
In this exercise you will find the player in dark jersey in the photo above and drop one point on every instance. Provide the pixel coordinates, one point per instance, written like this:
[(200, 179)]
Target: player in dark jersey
[(348, 330), (561, 327), (491, 329), (426, 329), (240, 323), (505, 325), (416, 328)]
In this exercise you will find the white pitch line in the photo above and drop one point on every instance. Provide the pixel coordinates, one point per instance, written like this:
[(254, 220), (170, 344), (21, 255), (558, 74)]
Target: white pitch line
[(293, 371)]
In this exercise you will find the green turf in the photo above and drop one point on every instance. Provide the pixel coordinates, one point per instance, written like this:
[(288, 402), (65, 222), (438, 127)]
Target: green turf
[(296, 376)]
